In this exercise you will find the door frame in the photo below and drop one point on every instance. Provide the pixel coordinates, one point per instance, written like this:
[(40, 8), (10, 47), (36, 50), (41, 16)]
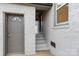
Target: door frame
[(4, 31)]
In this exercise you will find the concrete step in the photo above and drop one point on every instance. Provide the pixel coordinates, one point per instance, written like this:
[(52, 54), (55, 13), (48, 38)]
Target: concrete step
[(40, 38), (40, 41), (42, 47), (40, 35)]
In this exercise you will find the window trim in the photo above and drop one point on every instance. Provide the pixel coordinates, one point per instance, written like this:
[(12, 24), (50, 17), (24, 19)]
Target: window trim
[(61, 23)]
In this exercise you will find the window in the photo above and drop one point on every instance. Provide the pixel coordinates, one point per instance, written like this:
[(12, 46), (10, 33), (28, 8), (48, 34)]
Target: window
[(62, 14)]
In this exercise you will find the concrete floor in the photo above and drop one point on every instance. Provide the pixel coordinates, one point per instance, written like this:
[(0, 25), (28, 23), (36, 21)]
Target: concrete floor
[(38, 53), (43, 53)]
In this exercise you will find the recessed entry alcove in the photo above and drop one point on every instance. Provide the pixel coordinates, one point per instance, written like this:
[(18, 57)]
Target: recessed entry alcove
[(14, 33)]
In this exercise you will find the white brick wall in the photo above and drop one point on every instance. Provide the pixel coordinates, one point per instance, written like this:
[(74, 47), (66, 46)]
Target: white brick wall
[(48, 24), (66, 38)]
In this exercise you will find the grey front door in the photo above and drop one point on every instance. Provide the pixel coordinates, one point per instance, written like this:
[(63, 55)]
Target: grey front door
[(15, 34)]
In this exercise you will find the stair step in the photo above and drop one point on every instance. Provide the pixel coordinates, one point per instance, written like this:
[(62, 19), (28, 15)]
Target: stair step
[(40, 38), (39, 34), (45, 48), (40, 41), (41, 45)]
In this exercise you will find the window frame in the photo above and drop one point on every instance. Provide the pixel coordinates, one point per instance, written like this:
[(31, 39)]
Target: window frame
[(56, 19)]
